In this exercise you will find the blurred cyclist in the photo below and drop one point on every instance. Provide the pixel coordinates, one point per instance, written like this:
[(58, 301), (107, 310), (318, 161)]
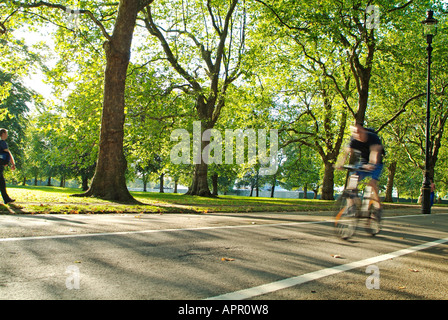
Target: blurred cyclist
[(367, 144)]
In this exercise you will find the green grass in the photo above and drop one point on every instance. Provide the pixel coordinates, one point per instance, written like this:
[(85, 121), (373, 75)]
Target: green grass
[(54, 200), (36, 200)]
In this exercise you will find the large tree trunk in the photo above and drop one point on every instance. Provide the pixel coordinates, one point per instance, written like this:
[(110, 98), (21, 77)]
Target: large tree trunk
[(215, 184), (161, 185), (109, 181), (199, 186), (328, 182), (274, 182), (390, 181)]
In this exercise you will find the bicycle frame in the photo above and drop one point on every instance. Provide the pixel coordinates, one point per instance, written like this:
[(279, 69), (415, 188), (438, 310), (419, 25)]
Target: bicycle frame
[(355, 208)]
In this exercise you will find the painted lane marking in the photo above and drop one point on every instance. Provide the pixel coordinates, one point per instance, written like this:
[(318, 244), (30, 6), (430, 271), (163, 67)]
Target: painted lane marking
[(294, 281), (102, 234), (85, 235)]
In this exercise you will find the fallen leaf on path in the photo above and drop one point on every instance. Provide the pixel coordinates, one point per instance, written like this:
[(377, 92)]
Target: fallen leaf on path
[(336, 256), (227, 259), (402, 287), (414, 270)]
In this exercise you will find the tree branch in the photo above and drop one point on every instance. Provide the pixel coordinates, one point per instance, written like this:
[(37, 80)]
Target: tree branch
[(403, 109), (154, 30), (2, 28), (221, 45), (401, 7), (65, 8), (283, 23)]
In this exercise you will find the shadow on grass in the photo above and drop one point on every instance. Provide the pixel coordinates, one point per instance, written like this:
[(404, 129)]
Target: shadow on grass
[(43, 199), (11, 209)]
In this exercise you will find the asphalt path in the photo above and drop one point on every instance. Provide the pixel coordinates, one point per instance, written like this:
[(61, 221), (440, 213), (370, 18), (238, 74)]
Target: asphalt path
[(257, 256)]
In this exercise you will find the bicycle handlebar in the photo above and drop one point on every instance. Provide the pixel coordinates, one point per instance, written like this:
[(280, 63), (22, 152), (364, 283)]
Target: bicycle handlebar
[(355, 168)]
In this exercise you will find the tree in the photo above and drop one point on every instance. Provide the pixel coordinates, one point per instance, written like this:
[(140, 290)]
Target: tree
[(13, 110), (109, 181), (338, 43), (318, 122), (154, 110), (220, 55), (17, 59), (301, 168), (399, 114)]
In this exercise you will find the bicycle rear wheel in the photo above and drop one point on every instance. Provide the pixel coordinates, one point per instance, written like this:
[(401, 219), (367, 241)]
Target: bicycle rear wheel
[(373, 225), (346, 217)]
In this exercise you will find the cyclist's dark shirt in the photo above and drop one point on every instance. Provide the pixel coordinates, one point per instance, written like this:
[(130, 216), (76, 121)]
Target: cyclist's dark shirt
[(364, 147)]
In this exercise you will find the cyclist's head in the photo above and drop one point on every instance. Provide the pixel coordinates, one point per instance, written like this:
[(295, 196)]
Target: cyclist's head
[(358, 132)]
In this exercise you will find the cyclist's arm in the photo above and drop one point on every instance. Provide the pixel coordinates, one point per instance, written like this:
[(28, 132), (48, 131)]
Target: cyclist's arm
[(374, 156), (347, 151), (375, 153)]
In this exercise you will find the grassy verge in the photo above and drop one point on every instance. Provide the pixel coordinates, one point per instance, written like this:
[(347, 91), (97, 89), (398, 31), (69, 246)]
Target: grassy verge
[(54, 200), (51, 200)]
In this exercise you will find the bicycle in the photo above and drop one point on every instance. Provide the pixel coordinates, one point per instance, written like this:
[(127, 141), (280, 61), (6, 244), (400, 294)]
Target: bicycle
[(352, 208)]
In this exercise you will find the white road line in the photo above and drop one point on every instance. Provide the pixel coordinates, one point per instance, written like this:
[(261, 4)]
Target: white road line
[(102, 234), (289, 282), (85, 235), (269, 287)]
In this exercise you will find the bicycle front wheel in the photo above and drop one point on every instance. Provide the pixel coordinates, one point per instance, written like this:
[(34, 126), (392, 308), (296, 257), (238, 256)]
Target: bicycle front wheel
[(346, 218)]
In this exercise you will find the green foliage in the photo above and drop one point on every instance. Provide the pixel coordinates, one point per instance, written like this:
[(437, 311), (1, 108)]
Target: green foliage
[(305, 68), (13, 112)]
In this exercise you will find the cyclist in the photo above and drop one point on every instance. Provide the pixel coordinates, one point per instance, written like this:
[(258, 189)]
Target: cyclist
[(368, 145)]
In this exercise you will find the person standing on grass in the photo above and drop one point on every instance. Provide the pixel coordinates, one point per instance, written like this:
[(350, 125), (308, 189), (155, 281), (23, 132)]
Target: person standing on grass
[(5, 159)]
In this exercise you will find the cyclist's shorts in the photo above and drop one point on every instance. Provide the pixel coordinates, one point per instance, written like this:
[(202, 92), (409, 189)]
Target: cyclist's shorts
[(374, 174)]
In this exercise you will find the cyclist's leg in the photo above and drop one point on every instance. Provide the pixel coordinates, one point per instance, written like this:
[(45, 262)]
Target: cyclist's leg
[(375, 193), (351, 188), (376, 174)]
